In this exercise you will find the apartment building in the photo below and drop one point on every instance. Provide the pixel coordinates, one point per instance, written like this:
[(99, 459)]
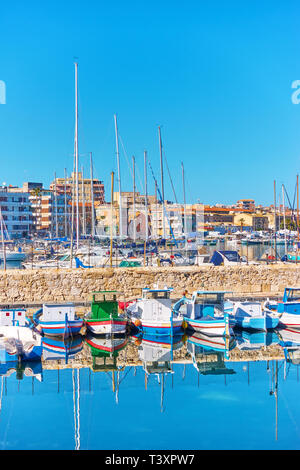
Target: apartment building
[(16, 212)]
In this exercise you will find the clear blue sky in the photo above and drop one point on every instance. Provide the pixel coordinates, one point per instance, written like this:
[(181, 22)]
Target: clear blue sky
[(216, 76)]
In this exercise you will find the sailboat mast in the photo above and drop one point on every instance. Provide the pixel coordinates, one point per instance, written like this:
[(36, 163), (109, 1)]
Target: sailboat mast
[(92, 196), (275, 252), (55, 205), (134, 222), (119, 178), (184, 202), (83, 203), (2, 238), (76, 154), (162, 182), (65, 195), (283, 204), (111, 226), (146, 197)]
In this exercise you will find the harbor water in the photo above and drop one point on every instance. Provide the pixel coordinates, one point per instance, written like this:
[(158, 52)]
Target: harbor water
[(215, 403)]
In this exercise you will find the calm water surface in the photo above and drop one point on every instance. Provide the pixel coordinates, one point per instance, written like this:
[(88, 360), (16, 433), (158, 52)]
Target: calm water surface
[(221, 405)]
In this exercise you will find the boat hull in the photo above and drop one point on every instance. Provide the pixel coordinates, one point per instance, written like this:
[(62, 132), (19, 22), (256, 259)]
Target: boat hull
[(61, 328), (289, 320), (257, 323), (163, 328), (106, 327)]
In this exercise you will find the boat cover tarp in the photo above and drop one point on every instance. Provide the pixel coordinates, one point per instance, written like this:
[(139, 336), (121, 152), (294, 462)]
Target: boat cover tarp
[(217, 258)]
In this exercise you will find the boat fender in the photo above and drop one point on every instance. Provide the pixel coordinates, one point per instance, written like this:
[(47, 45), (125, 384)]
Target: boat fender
[(137, 322), (184, 325)]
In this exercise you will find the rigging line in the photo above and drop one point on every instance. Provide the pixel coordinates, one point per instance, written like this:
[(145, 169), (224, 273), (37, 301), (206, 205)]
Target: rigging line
[(170, 176), (130, 168)]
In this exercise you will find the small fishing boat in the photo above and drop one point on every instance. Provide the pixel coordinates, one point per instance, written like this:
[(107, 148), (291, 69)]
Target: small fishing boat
[(153, 313), (18, 341), (58, 320), (288, 308), (104, 317), (251, 315), (205, 313)]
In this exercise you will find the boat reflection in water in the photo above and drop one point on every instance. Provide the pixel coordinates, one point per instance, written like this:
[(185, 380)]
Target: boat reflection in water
[(289, 340), (105, 351), (156, 354), (208, 353), (32, 369), (59, 348), (256, 340)]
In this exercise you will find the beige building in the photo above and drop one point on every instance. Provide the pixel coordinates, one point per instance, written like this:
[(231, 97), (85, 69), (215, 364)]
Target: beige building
[(68, 185)]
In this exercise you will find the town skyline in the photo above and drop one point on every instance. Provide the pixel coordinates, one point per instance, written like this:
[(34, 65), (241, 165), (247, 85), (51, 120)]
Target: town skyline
[(224, 106)]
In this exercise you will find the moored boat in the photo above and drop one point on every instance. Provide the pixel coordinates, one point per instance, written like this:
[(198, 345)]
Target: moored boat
[(58, 320), (104, 317), (153, 313), (288, 308), (18, 341), (205, 313), (251, 315)]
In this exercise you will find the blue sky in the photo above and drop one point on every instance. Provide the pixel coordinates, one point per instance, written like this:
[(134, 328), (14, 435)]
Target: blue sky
[(216, 76)]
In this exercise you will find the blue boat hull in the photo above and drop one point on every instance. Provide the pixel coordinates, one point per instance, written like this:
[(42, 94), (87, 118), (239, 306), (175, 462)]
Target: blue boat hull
[(257, 323), (71, 328), (157, 331)]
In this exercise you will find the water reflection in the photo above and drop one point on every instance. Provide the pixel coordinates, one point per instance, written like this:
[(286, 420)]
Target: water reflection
[(162, 381)]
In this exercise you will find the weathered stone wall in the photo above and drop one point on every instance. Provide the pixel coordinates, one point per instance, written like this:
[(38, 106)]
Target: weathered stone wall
[(34, 286)]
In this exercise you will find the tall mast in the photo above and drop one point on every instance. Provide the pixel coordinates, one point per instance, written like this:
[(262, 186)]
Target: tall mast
[(119, 178), (83, 204), (92, 196), (162, 182), (297, 218), (72, 215), (146, 196), (112, 213), (134, 224), (55, 206), (184, 202), (283, 204), (76, 154), (65, 194), (275, 252), (2, 239)]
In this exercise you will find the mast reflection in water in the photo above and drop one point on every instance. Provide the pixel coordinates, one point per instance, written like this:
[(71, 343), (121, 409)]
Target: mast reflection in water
[(139, 392)]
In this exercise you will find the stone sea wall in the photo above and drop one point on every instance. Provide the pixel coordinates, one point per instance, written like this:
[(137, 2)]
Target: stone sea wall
[(55, 285)]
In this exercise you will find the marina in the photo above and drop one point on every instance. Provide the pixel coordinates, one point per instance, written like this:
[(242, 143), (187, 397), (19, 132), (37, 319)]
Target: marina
[(149, 229)]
